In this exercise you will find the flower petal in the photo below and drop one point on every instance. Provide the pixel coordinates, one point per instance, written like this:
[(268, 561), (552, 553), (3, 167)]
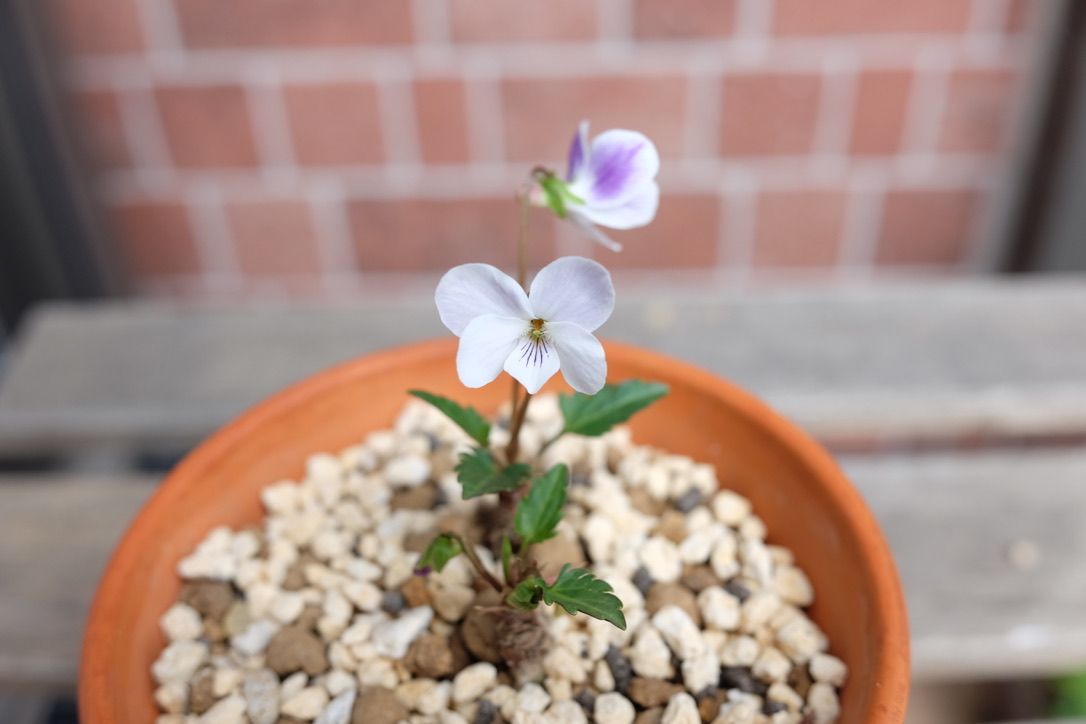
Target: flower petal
[(484, 345), (532, 363), (583, 362), (470, 290), (578, 152), (639, 210), (573, 289), (620, 162), (581, 221)]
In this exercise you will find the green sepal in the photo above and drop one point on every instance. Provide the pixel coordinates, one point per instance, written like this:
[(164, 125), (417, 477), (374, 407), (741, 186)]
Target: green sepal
[(557, 194)]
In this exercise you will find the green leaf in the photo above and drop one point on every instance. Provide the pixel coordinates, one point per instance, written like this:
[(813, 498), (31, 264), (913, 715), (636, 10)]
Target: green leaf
[(527, 594), (441, 550), (507, 556), (479, 474), (540, 510), (596, 414), (468, 418), (578, 591)]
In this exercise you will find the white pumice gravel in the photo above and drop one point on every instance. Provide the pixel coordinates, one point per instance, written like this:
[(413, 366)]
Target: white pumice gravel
[(681, 709), (317, 615), (614, 708)]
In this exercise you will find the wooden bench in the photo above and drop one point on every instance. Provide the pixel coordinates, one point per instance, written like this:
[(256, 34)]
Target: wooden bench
[(958, 408)]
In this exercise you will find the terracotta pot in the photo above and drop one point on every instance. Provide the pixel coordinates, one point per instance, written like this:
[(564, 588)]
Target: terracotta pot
[(796, 488)]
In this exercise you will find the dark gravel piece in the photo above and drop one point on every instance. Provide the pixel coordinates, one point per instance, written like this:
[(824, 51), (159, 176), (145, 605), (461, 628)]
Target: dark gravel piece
[(393, 602), (486, 712), (772, 707), (579, 479), (740, 677), (440, 498), (586, 699), (643, 580), (689, 500), (800, 680), (620, 666), (212, 599), (738, 590)]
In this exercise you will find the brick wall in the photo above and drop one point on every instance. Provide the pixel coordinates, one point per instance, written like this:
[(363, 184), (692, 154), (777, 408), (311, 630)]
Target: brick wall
[(317, 146)]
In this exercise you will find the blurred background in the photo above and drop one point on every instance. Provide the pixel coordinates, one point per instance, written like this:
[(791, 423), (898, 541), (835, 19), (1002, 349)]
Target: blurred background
[(887, 196), (318, 149)]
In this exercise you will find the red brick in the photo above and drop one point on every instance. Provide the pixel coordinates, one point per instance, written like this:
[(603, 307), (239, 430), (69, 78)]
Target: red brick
[(497, 22), (1020, 15), (842, 17), (671, 19), (274, 238), (155, 240), (101, 128), (798, 228), (441, 115), (335, 124), (408, 235), (978, 111), (98, 26), (926, 227), (882, 105), (305, 23), (541, 115), (207, 126), (768, 114), (684, 235)]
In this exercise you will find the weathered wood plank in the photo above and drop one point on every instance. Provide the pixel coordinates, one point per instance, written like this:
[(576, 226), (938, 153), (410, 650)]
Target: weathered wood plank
[(55, 537), (990, 548), (925, 361), (24, 707), (950, 519)]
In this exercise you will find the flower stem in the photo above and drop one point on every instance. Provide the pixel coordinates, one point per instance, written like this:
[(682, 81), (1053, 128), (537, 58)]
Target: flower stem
[(522, 237), (516, 400), (513, 448), (477, 564), (524, 196)]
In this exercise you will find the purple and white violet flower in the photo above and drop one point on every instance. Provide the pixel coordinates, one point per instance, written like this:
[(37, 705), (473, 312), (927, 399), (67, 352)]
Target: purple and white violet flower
[(532, 332), (531, 336), (610, 182)]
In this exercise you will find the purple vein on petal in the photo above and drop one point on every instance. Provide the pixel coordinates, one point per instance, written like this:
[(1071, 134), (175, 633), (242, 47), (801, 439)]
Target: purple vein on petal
[(612, 170), (534, 352)]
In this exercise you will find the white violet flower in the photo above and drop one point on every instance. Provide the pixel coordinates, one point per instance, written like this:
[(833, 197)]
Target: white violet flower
[(531, 336), (610, 182)]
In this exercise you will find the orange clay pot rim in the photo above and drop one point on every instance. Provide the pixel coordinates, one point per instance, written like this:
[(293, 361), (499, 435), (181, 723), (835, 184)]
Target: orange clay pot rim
[(893, 669)]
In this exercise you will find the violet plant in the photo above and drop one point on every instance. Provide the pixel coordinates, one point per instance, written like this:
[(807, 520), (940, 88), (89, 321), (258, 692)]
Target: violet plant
[(532, 332)]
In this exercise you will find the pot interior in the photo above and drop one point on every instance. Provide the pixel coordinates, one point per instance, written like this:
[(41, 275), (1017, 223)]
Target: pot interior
[(805, 501)]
